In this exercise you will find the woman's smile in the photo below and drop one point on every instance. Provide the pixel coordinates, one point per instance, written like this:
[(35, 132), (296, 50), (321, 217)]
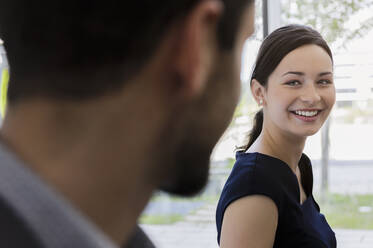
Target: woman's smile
[(307, 115)]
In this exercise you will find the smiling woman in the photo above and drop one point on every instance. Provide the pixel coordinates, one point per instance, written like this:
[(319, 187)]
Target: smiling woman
[(268, 200), (300, 91)]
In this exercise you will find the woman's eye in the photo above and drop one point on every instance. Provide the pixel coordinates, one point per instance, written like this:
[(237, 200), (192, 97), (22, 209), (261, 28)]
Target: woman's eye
[(293, 83), (324, 82)]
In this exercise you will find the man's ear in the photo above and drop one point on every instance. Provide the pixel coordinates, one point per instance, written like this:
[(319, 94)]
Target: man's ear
[(258, 92), (196, 47)]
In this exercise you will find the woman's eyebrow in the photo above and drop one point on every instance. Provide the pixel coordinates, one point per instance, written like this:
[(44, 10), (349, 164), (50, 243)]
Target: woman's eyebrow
[(325, 73), (293, 72), (302, 73)]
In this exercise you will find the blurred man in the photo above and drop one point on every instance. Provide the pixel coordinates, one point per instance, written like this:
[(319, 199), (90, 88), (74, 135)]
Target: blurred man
[(107, 102)]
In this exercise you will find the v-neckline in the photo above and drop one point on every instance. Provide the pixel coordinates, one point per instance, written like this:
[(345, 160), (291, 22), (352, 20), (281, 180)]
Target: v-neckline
[(289, 170)]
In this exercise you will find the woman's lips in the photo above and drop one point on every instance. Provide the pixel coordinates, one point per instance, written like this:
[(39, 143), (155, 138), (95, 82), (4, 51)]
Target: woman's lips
[(306, 115)]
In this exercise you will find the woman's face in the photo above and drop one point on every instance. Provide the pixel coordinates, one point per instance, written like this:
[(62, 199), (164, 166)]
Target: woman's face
[(300, 92)]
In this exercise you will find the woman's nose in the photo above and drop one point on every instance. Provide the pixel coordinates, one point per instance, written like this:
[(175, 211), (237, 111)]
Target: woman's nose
[(310, 94)]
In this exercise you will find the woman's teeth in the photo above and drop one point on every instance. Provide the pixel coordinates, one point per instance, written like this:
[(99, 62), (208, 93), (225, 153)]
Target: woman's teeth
[(306, 113)]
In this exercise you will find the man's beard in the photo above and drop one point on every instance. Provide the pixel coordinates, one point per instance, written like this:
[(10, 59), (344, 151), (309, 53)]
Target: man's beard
[(188, 169), (193, 132)]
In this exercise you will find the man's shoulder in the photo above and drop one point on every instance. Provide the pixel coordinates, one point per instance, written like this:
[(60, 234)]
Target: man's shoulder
[(14, 231), (139, 240)]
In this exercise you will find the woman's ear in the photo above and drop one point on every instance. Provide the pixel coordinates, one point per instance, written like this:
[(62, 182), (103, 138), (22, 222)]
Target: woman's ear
[(258, 92)]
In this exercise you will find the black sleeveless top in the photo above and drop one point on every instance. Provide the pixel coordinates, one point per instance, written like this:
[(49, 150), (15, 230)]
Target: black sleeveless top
[(299, 225)]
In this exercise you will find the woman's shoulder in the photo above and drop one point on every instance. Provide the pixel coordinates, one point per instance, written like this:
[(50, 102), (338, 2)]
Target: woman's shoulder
[(251, 170), (251, 175), (263, 166), (254, 174)]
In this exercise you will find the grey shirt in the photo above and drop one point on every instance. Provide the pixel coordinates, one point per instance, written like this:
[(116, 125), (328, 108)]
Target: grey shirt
[(55, 222)]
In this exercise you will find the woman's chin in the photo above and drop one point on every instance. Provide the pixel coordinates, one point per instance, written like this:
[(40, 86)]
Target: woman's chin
[(306, 133)]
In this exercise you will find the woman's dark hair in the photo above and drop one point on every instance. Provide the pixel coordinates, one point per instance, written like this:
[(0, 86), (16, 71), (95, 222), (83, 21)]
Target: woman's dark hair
[(273, 49)]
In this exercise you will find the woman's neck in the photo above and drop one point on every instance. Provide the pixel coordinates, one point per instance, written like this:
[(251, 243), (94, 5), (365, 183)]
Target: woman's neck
[(278, 144)]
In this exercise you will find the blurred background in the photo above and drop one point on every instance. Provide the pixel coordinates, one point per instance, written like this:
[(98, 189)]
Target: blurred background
[(342, 153)]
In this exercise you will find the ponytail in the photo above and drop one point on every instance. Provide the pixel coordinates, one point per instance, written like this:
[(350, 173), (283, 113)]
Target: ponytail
[(256, 130)]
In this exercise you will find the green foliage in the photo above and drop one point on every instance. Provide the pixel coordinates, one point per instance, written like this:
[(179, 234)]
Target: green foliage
[(245, 105), (344, 211), (230, 163), (329, 17), (160, 219)]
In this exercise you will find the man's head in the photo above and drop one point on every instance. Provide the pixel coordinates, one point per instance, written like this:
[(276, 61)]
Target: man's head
[(78, 51)]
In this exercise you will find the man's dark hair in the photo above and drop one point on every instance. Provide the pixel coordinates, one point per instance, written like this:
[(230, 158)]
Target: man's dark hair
[(80, 49)]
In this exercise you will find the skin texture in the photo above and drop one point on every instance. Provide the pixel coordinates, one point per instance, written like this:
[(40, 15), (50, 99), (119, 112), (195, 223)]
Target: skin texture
[(255, 229), (107, 155), (302, 81)]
